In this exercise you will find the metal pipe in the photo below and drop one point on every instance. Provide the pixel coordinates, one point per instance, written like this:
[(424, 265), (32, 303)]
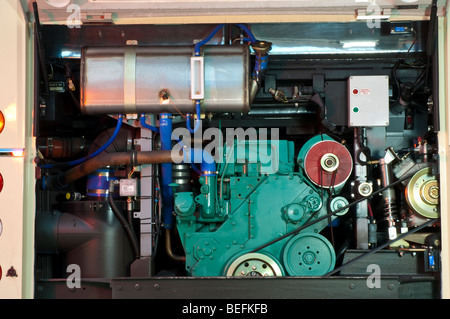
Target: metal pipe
[(56, 233), (60, 147), (96, 152), (169, 250), (279, 112), (110, 159)]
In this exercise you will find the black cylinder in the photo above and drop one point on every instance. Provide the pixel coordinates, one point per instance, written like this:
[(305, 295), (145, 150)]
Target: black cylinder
[(89, 235)]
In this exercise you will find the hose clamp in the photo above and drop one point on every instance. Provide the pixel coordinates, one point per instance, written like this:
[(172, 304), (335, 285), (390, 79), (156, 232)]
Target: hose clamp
[(133, 158)]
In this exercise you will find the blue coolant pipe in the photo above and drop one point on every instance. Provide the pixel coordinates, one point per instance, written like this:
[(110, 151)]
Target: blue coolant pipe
[(197, 121), (165, 131), (191, 156), (202, 157), (199, 44), (145, 125)]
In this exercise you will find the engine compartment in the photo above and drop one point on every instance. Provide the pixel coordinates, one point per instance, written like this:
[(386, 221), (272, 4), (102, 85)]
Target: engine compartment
[(289, 151)]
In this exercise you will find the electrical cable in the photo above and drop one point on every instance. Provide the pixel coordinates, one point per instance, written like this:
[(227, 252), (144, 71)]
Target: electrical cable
[(397, 82), (431, 37), (412, 231), (40, 49), (362, 149), (157, 223)]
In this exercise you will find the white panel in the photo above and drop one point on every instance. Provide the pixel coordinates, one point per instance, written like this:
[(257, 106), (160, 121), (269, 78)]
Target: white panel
[(444, 153), (244, 11), (12, 105), (11, 215), (12, 80), (368, 98)]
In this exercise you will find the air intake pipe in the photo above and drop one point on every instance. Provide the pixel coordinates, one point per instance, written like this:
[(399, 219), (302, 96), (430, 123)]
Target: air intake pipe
[(110, 159), (207, 165)]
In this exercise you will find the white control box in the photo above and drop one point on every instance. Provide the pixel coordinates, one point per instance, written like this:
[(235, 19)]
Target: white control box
[(128, 187), (368, 100)]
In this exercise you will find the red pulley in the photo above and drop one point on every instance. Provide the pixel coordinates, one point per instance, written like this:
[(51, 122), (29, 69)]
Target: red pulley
[(328, 164)]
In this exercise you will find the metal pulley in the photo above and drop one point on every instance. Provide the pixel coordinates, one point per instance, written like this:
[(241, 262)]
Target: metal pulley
[(254, 265), (422, 193), (308, 254), (327, 163)]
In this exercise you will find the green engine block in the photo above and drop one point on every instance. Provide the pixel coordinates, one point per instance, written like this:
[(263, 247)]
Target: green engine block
[(251, 202)]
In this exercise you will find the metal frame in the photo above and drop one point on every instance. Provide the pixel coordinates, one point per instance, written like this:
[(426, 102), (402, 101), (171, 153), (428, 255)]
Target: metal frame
[(345, 287)]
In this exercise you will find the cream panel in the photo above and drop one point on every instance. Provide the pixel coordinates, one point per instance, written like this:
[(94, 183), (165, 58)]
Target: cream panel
[(11, 216)]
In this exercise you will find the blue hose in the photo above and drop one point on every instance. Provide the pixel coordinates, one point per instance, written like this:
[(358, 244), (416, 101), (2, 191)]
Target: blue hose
[(206, 40), (197, 121), (97, 152), (145, 125), (261, 63), (206, 160), (249, 33), (209, 37), (165, 128)]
